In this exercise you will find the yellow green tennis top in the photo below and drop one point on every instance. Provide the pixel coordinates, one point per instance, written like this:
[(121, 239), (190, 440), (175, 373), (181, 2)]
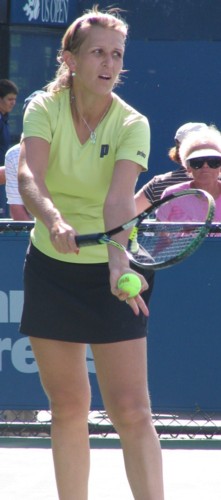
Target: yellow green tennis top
[(78, 176)]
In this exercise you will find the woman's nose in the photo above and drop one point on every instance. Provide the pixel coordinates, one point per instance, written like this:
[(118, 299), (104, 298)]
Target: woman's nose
[(107, 60)]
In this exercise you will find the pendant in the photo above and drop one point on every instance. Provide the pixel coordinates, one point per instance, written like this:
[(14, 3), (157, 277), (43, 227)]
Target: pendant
[(93, 137)]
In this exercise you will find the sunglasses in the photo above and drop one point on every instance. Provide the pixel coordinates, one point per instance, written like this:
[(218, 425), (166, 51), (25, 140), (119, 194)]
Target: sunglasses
[(212, 162)]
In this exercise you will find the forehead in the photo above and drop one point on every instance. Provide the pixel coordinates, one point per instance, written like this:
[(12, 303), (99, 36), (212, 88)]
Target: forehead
[(98, 36), (10, 97)]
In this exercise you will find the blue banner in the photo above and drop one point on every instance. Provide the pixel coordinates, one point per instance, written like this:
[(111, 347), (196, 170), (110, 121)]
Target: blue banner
[(20, 386), (184, 334), (55, 13), (184, 340)]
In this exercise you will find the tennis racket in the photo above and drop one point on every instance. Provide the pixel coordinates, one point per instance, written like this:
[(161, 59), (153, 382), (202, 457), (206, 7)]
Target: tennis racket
[(160, 236)]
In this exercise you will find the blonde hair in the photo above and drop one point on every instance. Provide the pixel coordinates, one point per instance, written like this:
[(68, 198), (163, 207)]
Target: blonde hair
[(173, 153), (75, 35), (209, 138)]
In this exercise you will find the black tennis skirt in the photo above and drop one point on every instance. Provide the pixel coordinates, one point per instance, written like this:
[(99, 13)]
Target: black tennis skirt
[(73, 303)]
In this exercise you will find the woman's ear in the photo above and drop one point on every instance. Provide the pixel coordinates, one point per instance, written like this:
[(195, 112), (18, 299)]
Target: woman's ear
[(68, 58)]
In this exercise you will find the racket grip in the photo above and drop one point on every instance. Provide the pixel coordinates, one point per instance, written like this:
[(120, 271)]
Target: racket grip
[(87, 240)]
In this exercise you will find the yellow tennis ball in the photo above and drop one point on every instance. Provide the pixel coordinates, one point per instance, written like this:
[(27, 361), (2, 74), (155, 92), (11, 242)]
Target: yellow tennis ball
[(130, 283)]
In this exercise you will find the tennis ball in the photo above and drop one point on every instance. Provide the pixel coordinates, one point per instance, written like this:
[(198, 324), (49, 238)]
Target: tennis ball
[(129, 283)]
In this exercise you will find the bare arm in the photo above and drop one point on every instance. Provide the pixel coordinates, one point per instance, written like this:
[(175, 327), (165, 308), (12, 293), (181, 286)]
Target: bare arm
[(2, 175), (118, 208), (19, 212), (141, 201), (33, 164)]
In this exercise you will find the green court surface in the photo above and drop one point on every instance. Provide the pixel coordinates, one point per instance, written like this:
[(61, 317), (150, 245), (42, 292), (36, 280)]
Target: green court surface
[(191, 470)]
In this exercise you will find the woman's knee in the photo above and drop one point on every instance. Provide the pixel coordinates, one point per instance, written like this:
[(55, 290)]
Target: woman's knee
[(127, 414), (70, 408), (68, 403)]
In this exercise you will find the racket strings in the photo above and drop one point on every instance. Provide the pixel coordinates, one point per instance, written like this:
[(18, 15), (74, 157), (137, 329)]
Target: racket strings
[(163, 245), (173, 230)]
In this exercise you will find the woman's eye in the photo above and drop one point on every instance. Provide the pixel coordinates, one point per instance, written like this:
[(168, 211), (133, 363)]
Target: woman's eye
[(117, 55), (97, 51)]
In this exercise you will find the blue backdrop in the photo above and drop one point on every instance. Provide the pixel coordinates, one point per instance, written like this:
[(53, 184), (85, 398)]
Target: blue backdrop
[(19, 380), (173, 62), (170, 82), (184, 335)]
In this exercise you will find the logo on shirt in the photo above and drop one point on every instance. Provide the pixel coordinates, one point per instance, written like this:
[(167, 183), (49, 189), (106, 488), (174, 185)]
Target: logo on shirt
[(141, 153), (104, 150)]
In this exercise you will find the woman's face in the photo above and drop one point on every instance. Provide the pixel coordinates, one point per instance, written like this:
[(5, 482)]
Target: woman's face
[(205, 174), (99, 60)]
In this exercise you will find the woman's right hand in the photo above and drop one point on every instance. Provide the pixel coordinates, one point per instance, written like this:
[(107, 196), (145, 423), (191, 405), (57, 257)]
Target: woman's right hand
[(62, 236)]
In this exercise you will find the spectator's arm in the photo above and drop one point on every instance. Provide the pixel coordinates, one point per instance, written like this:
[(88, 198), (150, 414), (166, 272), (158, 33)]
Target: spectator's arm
[(19, 212), (2, 175)]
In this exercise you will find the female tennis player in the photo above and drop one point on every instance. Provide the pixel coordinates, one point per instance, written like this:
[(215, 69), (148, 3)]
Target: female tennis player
[(82, 151)]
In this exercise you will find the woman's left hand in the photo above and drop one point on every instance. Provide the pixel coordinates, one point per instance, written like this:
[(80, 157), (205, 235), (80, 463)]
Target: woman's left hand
[(136, 303)]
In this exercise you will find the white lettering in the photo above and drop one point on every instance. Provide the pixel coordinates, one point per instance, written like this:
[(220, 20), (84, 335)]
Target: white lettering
[(5, 345), (3, 307), (63, 11), (54, 11), (45, 11), (22, 357), (16, 299), (11, 306)]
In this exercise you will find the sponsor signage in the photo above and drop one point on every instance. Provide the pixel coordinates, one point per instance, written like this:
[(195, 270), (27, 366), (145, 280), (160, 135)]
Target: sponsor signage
[(20, 387), (56, 13)]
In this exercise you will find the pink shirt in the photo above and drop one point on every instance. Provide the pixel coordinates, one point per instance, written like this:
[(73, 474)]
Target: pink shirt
[(187, 208)]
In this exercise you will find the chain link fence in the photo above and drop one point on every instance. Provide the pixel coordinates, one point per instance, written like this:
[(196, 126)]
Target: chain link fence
[(28, 423)]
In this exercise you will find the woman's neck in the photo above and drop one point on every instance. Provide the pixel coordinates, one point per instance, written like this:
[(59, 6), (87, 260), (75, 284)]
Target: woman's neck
[(91, 108)]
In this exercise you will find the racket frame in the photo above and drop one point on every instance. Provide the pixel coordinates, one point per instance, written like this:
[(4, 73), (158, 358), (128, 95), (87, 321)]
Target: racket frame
[(135, 223)]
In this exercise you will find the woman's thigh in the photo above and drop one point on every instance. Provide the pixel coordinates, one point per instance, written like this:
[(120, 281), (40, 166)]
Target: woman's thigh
[(122, 374), (63, 370)]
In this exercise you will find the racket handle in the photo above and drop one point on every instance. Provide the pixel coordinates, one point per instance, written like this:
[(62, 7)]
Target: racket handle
[(88, 239)]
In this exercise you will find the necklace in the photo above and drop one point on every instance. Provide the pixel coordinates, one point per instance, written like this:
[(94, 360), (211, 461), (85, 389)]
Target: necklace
[(93, 135)]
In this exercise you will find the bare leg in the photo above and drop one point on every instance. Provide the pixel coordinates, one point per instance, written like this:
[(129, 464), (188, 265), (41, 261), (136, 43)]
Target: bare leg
[(122, 374), (64, 377)]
